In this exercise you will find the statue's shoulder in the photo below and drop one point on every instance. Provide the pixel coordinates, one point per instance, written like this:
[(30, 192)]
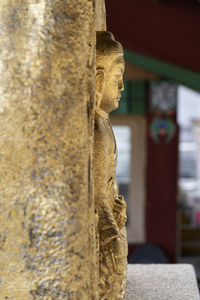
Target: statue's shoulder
[(100, 127)]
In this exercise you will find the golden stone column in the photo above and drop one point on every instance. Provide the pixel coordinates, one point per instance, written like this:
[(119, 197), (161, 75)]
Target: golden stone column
[(47, 243)]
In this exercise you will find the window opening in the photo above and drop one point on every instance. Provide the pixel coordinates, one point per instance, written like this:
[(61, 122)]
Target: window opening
[(189, 176), (123, 173)]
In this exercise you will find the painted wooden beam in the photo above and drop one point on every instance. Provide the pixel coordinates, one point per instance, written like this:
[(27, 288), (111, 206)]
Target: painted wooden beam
[(178, 74), (133, 72)]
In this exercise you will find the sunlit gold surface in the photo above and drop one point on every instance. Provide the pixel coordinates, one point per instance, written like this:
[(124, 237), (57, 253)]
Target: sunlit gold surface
[(111, 207), (47, 220)]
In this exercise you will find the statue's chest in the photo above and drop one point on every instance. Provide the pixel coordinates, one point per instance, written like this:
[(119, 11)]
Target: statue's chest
[(110, 144)]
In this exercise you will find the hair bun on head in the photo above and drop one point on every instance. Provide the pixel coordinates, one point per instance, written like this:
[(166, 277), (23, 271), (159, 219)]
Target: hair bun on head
[(106, 43), (105, 35)]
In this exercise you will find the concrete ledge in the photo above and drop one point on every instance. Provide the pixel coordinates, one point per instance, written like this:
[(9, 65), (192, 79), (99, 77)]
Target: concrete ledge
[(162, 282)]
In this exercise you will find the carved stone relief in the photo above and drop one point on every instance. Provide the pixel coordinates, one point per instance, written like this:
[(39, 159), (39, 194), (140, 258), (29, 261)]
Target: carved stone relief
[(110, 206), (48, 244)]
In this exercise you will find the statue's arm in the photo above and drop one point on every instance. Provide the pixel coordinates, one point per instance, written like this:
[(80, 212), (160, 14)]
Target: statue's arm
[(101, 167), (107, 222), (111, 239)]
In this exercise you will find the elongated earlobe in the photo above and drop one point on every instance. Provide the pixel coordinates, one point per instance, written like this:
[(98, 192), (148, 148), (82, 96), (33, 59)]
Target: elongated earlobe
[(100, 84)]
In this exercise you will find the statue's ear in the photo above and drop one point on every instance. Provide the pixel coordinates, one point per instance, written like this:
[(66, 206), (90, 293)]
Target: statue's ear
[(100, 80)]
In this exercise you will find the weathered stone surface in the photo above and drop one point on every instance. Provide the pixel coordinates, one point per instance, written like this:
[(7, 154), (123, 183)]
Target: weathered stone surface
[(161, 282), (46, 107), (100, 15)]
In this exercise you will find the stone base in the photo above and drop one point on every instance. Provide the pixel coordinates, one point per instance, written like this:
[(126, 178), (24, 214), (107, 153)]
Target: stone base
[(161, 282)]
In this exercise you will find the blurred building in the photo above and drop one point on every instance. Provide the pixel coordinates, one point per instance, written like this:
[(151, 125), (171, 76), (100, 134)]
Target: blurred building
[(162, 49)]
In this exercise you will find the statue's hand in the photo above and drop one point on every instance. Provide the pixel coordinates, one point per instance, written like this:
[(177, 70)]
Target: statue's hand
[(119, 210), (113, 251)]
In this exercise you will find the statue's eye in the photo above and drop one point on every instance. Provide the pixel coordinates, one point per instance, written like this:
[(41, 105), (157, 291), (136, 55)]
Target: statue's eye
[(117, 76)]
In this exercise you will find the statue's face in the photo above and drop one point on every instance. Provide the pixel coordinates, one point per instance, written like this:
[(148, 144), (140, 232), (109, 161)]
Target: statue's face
[(113, 86)]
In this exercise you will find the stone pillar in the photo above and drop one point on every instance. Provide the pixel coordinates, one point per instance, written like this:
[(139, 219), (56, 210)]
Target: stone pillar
[(47, 232)]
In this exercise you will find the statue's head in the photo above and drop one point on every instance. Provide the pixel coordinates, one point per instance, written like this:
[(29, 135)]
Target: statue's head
[(109, 71)]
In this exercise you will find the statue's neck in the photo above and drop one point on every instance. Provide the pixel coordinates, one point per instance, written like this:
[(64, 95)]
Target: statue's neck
[(102, 113)]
